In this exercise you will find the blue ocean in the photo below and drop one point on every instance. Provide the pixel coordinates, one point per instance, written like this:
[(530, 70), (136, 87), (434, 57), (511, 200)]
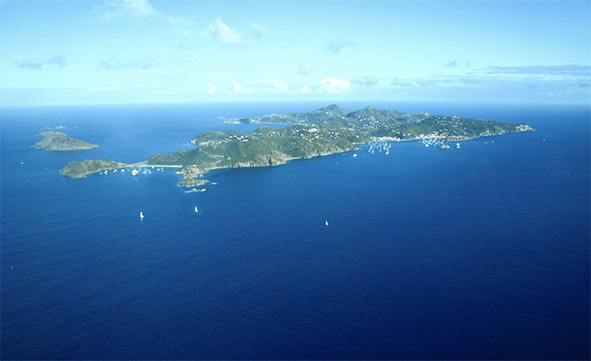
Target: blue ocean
[(481, 252)]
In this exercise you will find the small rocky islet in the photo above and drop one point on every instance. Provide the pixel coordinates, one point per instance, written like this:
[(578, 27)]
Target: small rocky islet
[(57, 141)]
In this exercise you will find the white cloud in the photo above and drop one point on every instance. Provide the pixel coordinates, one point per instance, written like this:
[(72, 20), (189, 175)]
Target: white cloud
[(305, 89), (276, 84), (239, 89), (281, 87), (223, 33), (396, 82), (368, 80), (334, 86), (212, 89), (114, 9)]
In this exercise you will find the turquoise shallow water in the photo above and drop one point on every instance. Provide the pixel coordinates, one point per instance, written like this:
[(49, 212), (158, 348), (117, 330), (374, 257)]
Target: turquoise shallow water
[(478, 252)]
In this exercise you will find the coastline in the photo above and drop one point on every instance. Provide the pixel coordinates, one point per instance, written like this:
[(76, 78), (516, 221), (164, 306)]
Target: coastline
[(325, 131)]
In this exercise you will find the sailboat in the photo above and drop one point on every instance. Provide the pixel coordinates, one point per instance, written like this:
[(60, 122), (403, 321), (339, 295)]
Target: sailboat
[(141, 215)]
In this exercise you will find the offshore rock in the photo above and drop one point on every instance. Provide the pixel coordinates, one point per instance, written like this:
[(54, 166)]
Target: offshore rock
[(192, 182)]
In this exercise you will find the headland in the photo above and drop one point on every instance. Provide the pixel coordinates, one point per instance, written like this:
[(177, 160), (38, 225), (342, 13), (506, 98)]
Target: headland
[(57, 141)]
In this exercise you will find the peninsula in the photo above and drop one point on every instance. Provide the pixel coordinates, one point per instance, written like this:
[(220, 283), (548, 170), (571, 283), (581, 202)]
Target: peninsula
[(324, 131), (61, 142)]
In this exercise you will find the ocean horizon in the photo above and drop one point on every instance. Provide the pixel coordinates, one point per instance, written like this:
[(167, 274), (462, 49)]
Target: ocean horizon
[(392, 251)]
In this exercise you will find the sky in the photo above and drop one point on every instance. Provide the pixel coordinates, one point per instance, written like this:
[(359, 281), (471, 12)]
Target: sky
[(148, 51)]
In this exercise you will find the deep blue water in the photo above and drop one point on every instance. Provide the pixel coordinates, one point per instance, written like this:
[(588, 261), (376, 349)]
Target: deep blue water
[(480, 252)]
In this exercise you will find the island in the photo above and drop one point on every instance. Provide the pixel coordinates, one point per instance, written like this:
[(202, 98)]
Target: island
[(61, 142), (324, 131)]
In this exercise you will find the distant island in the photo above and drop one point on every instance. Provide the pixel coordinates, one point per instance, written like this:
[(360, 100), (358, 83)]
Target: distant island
[(61, 142), (324, 131)]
